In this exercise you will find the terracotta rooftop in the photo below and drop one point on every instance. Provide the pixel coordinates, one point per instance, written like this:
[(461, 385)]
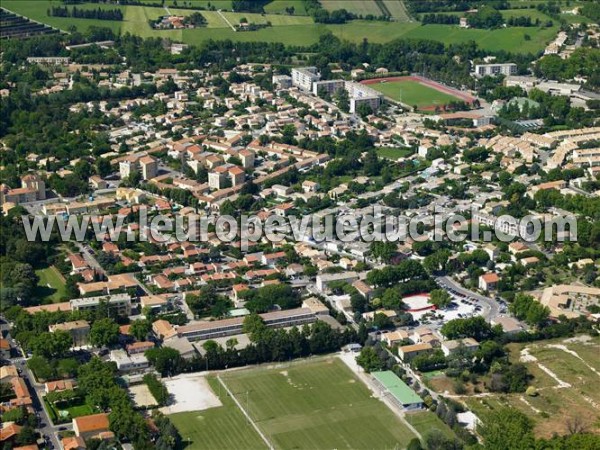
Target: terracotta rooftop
[(95, 422)]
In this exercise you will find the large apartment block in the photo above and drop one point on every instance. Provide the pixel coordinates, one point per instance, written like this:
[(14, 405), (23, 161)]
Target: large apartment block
[(329, 86), (304, 77), (481, 70), (362, 95)]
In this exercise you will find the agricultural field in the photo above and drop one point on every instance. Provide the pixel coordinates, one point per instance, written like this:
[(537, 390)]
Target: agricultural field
[(359, 7), (51, 286), (277, 20), (567, 373), (511, 39), (206, 4), (398, 10), (299, 29), (413, 93), (220, 427), (279, 7), (320, 404), (38, 10)]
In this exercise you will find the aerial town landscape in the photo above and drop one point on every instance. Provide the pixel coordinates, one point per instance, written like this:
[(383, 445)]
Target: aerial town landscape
[(300, 224)]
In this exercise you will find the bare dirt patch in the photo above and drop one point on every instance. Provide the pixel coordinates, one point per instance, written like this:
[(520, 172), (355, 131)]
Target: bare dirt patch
[(141, 396), (189, 392)]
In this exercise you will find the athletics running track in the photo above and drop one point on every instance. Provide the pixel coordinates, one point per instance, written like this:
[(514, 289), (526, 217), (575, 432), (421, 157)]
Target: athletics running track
[(429, 83)]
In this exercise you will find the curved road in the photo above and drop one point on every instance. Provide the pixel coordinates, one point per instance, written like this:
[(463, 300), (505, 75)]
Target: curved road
[(490, 307)]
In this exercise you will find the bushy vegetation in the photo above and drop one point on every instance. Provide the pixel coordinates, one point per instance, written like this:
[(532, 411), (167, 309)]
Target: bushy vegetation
[(157, 389)]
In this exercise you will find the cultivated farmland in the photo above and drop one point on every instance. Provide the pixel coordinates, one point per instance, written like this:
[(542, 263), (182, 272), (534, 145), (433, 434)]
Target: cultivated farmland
[(298, 29), (359, 7)]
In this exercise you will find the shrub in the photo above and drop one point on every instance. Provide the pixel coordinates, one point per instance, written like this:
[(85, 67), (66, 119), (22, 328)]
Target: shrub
[(157, 389)]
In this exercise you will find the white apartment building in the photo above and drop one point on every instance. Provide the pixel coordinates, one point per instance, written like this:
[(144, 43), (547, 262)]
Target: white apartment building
[(304, 77), (482, 70)]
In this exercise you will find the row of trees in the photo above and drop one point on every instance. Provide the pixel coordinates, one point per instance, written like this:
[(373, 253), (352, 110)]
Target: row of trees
[(79, 13), (267, 345), (157, 388)]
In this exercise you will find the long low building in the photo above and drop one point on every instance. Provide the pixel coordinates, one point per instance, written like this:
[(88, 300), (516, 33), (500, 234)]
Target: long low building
[(229, 327), (401, 392)]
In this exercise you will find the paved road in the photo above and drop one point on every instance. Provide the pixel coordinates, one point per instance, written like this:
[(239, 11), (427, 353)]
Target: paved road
[(490, 307), (89, 258), (37, 390)]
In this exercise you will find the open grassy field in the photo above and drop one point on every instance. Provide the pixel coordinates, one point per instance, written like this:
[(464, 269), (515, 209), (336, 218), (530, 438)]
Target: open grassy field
[(426, 422), (567, 375), (316, 404), (413, 93), (220, 427), (51, 286)]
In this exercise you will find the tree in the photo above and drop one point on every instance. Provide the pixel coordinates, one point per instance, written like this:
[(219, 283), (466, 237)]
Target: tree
[(383, 251), (140, 329), (51, 345), (26, 436), (507, 429), (526, 308), (165, 360), (370, 360), (103, 167), (253, 326), (104, 333), (474, 327), (436, 440), (440, 298), (40, 367)]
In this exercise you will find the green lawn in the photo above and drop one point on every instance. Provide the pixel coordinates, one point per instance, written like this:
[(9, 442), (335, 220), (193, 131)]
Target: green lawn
[(217, 428), (393, 153), (78, 410), (413, 93), (318, 404), (425, 422), (51, 285)]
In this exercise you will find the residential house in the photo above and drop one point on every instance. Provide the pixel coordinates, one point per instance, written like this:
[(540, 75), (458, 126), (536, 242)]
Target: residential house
[(488, 281), (408, 352), (92, 426)]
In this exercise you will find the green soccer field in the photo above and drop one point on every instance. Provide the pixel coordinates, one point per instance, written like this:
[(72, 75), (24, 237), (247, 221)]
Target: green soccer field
[(413, 93), (316, 405), (223, 427)]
